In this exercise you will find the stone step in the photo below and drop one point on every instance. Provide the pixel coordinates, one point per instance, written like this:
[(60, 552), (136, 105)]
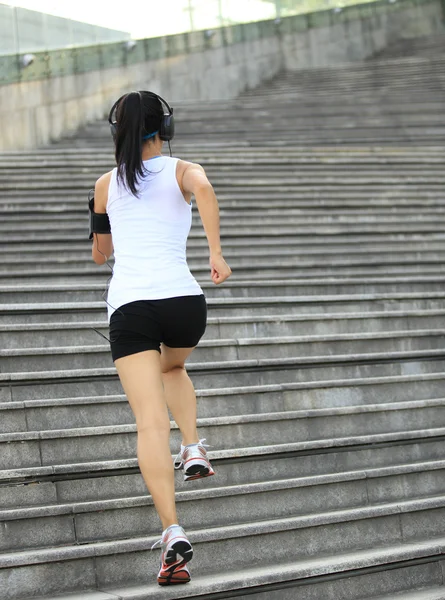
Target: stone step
[(372, 116), (197, 240), (432, 270), (343, 576), (233, 151), (41, 312), (33, 335), (103, 381), (278, 216), (229, 189), (325, 170), (386, 72), (309, 267), (396, 452), (283, 194), (330, 226), (338, 88), (255, 271), (230, 204), (122, 562), (65, 291), (282, 218), (316, 181), (304, 270), (324, 166), (55, 413), (432, 136), (119, 518), (233, 154), (390, 137), (217, 163), (23, 449), (64, 358), (365, 230), (314, 248), (20, 215), (251, 261), (437, 593), (319, 238), (79, 254), (338, 85), (18, 203)]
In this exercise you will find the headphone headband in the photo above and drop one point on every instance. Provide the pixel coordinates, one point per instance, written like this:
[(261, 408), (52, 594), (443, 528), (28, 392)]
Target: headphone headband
[(167, 127)]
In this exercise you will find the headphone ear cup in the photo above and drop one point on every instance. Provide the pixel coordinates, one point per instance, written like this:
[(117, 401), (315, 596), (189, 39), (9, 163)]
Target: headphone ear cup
[(167, 130), (113, 130)]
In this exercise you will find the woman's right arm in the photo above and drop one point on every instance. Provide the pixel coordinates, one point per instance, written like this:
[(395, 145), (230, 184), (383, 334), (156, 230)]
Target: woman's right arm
[(194, 181)]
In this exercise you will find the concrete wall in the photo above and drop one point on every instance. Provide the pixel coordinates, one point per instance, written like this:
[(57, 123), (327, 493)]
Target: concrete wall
[(195, 66), (327, 42)]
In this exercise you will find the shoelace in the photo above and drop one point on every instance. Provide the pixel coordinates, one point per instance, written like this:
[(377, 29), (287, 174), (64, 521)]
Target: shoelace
[(178, 459)]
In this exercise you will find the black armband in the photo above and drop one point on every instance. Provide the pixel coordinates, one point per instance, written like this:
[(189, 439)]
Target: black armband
[(99, 222)]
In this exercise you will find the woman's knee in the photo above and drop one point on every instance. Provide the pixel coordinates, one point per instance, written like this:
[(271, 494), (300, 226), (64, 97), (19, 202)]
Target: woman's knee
[(153, 427), (174, 358), (172, 369)]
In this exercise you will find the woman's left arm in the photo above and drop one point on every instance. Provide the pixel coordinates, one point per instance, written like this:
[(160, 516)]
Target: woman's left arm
[(102, 242)]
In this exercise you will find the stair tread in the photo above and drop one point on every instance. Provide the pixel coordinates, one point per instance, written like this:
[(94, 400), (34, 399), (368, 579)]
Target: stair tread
[(258, 576), (327, 444), (83, 506), (437, 593), (223, 419), (32, 556)]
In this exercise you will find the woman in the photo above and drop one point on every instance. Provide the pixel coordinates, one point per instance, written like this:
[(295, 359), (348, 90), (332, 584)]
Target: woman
[(156, 309)]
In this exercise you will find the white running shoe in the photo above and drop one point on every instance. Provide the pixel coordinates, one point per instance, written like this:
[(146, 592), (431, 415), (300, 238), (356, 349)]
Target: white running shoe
[(176, 552), (193, 459)]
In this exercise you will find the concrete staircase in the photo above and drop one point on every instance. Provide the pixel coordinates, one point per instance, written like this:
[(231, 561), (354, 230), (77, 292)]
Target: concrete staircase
[(321, 377)]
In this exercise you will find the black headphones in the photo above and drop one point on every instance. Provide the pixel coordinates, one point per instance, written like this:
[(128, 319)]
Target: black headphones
[(167, 128)]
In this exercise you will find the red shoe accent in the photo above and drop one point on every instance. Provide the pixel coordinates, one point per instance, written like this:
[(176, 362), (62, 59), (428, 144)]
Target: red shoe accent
[(173, 574)]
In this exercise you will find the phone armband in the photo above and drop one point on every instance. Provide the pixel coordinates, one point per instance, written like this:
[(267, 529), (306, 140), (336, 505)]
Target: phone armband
[(99, 222)]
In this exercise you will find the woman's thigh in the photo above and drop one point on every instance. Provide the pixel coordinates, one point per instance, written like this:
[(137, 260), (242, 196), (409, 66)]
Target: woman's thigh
[(141, 378)]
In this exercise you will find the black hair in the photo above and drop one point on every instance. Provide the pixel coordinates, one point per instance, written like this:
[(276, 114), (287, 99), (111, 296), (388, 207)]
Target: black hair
[(138, 114)]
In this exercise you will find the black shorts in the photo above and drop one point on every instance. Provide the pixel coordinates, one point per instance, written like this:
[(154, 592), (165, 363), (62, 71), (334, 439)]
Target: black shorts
[(178, 322)]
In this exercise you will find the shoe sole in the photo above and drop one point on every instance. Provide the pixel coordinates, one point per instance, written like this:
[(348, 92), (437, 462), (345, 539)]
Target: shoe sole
[(198, 468), (174, 575), (183, 548), (198, 473)]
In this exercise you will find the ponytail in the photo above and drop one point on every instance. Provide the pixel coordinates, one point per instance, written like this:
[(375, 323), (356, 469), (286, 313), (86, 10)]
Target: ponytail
[(130, 117), (138, 117)]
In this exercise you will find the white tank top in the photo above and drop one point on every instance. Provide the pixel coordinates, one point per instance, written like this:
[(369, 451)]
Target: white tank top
[(149, 237)]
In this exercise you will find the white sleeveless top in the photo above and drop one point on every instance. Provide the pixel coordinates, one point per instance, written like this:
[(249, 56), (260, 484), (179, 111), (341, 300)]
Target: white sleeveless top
[(149, 237)]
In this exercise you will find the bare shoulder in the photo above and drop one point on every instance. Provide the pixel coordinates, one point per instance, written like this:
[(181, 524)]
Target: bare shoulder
[(103, 182), (185, 165), (191, 176), (101, 192)]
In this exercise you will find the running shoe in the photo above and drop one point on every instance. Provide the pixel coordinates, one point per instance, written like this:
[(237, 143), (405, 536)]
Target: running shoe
[(193, 459), (176, 552)]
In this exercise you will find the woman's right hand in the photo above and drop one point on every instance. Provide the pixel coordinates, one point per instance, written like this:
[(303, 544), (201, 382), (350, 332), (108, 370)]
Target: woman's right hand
[(220, 270)]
